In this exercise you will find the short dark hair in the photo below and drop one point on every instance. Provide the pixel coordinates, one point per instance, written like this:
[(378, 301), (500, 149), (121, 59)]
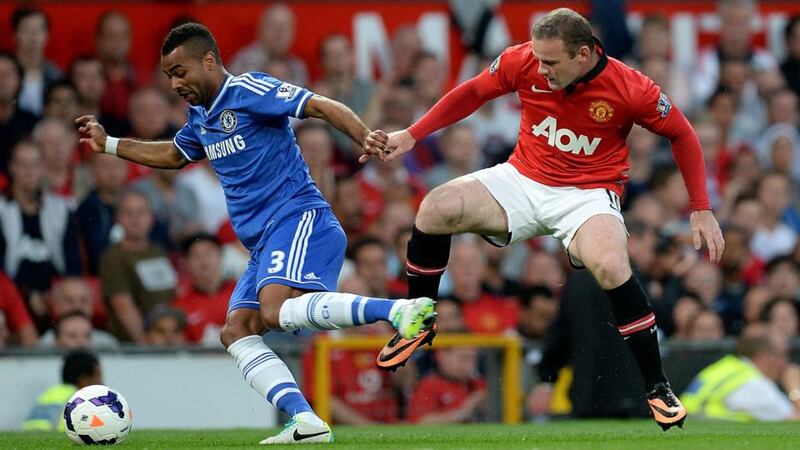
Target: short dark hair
[(363, 243), (78, 363), (790, 24), (189, 242), (310, 125), (566, 25), (23, 13), (536, 291), (197, 38), (60, 84)]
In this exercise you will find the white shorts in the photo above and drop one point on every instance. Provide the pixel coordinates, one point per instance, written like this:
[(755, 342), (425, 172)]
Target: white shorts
[(535, 209)]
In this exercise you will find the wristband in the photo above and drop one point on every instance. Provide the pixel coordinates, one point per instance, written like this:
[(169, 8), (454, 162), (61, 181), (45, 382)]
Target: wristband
[(111, 145)]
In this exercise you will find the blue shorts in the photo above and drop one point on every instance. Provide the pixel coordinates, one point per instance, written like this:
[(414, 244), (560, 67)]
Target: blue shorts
[(304, 251)]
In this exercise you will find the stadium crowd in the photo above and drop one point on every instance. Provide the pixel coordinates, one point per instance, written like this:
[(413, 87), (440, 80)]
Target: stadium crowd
[(96, 252)]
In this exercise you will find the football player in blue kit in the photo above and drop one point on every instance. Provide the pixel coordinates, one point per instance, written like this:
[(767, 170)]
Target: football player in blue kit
[(241, 124)]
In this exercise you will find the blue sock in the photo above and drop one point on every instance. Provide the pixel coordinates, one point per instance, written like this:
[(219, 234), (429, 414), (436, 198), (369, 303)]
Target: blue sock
[(291, 402), (377, 309)]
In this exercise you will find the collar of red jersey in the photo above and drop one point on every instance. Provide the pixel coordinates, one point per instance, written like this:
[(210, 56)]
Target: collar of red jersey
[(592, 74)]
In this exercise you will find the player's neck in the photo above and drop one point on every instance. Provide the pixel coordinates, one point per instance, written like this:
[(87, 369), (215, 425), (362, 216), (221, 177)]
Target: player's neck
[(218, 80)]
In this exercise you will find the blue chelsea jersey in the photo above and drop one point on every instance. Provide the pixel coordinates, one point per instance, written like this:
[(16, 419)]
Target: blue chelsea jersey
[(246, 136)]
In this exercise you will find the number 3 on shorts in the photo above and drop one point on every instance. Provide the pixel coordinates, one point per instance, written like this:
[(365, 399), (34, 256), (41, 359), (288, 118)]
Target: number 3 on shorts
[(277, 261)]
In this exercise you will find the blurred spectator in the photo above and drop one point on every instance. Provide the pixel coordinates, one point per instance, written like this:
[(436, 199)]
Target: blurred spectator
[(705, 280), (96, 213), (112, 44), (205, 299), (735, 42), (361, 394), (543, 268), (654, 54), (174, 205), (779, 150), (773, 237), (316, 146), (582, 337), (165, 327), (369, 256), (86, 73), (483, 311), (73, 331), (782, 108), (274, 39), (39, 238), (382, 183), (783, 277), (455, 393), (398, 285), (69, 296), (741, 387), (57, 139), (31, 27), (705, 326), (15, 123), (203, 182), (791, 65), (135, 275), (149, 115), (16, 327), (667, 186), (460, 152), (449, 316), (686, 308), (348, 206), (746, 214), (396, 215), (780, 315), (539, 309), (754, 303), (642, 147), (80, 369), (406, 47), (340, 83), (61, 101), (429, 78)]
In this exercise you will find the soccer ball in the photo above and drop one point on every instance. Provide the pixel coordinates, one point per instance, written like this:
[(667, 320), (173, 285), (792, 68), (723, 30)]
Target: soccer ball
[(97, 415)]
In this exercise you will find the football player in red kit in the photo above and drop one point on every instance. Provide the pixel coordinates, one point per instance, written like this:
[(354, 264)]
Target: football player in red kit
[(565, 178)]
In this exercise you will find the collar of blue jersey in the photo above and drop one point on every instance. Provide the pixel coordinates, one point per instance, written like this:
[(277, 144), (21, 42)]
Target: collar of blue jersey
[(592, 74), (221, 91)]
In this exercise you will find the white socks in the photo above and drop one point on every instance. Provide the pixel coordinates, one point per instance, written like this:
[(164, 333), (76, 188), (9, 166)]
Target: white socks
[(323, 311), (268, 375)]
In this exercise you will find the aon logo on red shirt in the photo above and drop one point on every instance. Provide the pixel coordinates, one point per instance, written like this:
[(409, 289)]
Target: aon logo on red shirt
[(564, 139)]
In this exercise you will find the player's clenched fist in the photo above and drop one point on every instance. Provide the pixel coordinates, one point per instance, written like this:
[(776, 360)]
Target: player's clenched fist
[(92, 133), (374, 145)]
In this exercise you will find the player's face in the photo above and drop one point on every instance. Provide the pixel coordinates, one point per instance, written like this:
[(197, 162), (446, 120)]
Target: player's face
[(188, 74), (555, 63)]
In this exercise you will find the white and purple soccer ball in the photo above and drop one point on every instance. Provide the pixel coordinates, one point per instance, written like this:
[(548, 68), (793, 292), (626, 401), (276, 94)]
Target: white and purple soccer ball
[(97, 414)]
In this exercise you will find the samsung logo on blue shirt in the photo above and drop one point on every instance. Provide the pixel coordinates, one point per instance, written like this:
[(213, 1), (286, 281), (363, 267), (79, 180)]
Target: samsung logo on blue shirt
[(224, 148)]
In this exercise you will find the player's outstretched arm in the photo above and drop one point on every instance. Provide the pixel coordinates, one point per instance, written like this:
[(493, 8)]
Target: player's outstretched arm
[(160, 155), (345, 120)]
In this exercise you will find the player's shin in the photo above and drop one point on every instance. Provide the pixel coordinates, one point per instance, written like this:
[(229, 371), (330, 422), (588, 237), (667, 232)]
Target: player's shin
[(637, 325), (427, 261), (268, 375), (332, 311)]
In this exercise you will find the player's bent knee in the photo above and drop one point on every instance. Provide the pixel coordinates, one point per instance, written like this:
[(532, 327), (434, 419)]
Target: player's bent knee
[(610, 271), (232, 332), (441, 211)]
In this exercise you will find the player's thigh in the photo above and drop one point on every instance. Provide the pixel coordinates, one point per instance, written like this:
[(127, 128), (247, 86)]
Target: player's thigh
[(302, 253), (460, 206), (601, 245)]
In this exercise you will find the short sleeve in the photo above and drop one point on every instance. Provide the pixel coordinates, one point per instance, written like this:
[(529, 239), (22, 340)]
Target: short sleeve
[(270, 97), (187, 143)]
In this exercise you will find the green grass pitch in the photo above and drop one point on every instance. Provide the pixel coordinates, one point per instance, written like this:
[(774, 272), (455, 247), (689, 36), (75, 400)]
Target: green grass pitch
[(617, 435)]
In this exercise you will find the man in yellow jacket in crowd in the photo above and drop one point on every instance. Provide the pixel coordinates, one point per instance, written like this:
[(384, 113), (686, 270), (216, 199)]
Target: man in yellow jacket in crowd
[(744, 386), (81, 368)]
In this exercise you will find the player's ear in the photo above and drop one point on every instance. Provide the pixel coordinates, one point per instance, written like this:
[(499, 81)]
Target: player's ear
[(210, 61)]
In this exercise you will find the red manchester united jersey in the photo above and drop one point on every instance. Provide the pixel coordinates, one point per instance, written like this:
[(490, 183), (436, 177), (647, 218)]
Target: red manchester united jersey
[(577, 136)]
